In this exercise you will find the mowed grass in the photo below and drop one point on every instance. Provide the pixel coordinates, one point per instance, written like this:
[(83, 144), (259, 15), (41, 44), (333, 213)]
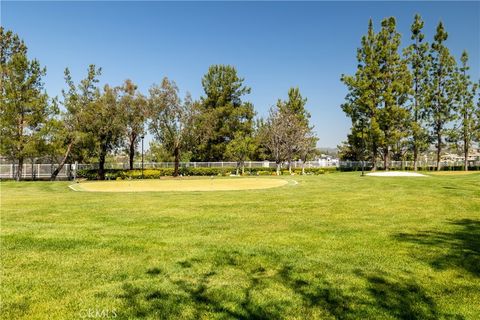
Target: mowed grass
[(332, 246), (179, 184)]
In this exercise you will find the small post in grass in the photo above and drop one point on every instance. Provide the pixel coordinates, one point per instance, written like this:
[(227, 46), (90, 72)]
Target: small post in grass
[(142, 153)]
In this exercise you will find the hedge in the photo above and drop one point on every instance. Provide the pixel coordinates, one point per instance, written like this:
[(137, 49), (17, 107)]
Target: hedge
[(120, 174)]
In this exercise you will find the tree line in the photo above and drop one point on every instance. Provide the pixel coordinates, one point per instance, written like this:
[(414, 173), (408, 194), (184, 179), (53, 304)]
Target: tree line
[(403, 102), (89, 122)]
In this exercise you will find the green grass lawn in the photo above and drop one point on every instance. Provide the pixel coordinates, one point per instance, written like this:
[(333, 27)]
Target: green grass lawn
[(332, 246)]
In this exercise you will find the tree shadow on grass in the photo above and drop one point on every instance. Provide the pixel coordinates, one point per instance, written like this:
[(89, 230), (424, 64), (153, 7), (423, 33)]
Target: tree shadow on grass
[(300, 290), (318, 292), (457, 249), (198, 295), (193, 295), (402, 299)]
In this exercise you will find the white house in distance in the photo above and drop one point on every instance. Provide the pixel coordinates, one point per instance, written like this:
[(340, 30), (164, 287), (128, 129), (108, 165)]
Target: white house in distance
[(325, 160), (474, 155)]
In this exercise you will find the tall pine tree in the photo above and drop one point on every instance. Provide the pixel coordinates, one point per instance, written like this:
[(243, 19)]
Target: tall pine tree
[(419, 62), (395, 84), (25, 109), (223, 114), (364, 96), (466, 91), (442, 89)]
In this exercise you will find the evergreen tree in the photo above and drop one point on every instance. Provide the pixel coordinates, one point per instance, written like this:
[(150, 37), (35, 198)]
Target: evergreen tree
[(364, 96), (25, 109), (395, 84), (417, 56), (353, 148), (466, 91), (477, 122), (223, 113), (295, 104), (441, 89)]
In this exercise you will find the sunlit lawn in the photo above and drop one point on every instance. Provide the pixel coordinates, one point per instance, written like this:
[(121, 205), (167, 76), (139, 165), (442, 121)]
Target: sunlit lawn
[(332, 246)]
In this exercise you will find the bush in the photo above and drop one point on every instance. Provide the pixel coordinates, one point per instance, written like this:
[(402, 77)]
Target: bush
[(120, 174), (264, 172), (206, 171)]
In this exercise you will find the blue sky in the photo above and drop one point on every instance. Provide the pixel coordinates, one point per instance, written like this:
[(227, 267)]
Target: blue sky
[(274, 45)]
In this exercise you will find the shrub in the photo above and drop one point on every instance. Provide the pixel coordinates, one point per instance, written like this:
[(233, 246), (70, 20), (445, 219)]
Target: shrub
[(120, 174)]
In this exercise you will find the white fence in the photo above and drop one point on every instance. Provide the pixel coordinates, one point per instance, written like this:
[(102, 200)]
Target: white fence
[(44, 171), (408, 165), (35, 171), (219, 164)]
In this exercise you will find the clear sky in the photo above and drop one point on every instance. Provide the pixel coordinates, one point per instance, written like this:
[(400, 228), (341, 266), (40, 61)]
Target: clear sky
[(274, 45)]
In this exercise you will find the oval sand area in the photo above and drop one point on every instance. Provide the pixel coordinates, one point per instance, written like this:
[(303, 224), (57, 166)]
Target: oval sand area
[(181, 184)]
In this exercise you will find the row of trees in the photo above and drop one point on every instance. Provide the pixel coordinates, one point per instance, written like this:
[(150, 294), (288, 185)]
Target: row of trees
[(403, 102), (89, 122)]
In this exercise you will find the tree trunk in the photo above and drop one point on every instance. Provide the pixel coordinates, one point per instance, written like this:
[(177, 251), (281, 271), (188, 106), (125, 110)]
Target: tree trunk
[(32, 169), (53, 177), (101, 164), (131, 154), (439, 150), (290, 166), (131, 151), (303, 167), (466, 142), (176, 154), (374, 158), (18, 174), (385, 159), (415, 158), (243, 168), (278, 169), (415, 137), (465, 148)]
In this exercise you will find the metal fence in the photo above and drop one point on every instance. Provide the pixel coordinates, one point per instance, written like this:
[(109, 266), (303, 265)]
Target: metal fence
[(44, 171)]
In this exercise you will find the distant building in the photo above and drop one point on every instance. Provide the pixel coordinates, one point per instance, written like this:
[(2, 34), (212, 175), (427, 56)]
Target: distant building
[(473, 155), (325, 160)]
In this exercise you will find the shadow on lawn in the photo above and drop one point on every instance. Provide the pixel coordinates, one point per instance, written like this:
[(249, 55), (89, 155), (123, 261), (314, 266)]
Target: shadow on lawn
[(299, 294), (457, 249), (191, 300), (403, 300)]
